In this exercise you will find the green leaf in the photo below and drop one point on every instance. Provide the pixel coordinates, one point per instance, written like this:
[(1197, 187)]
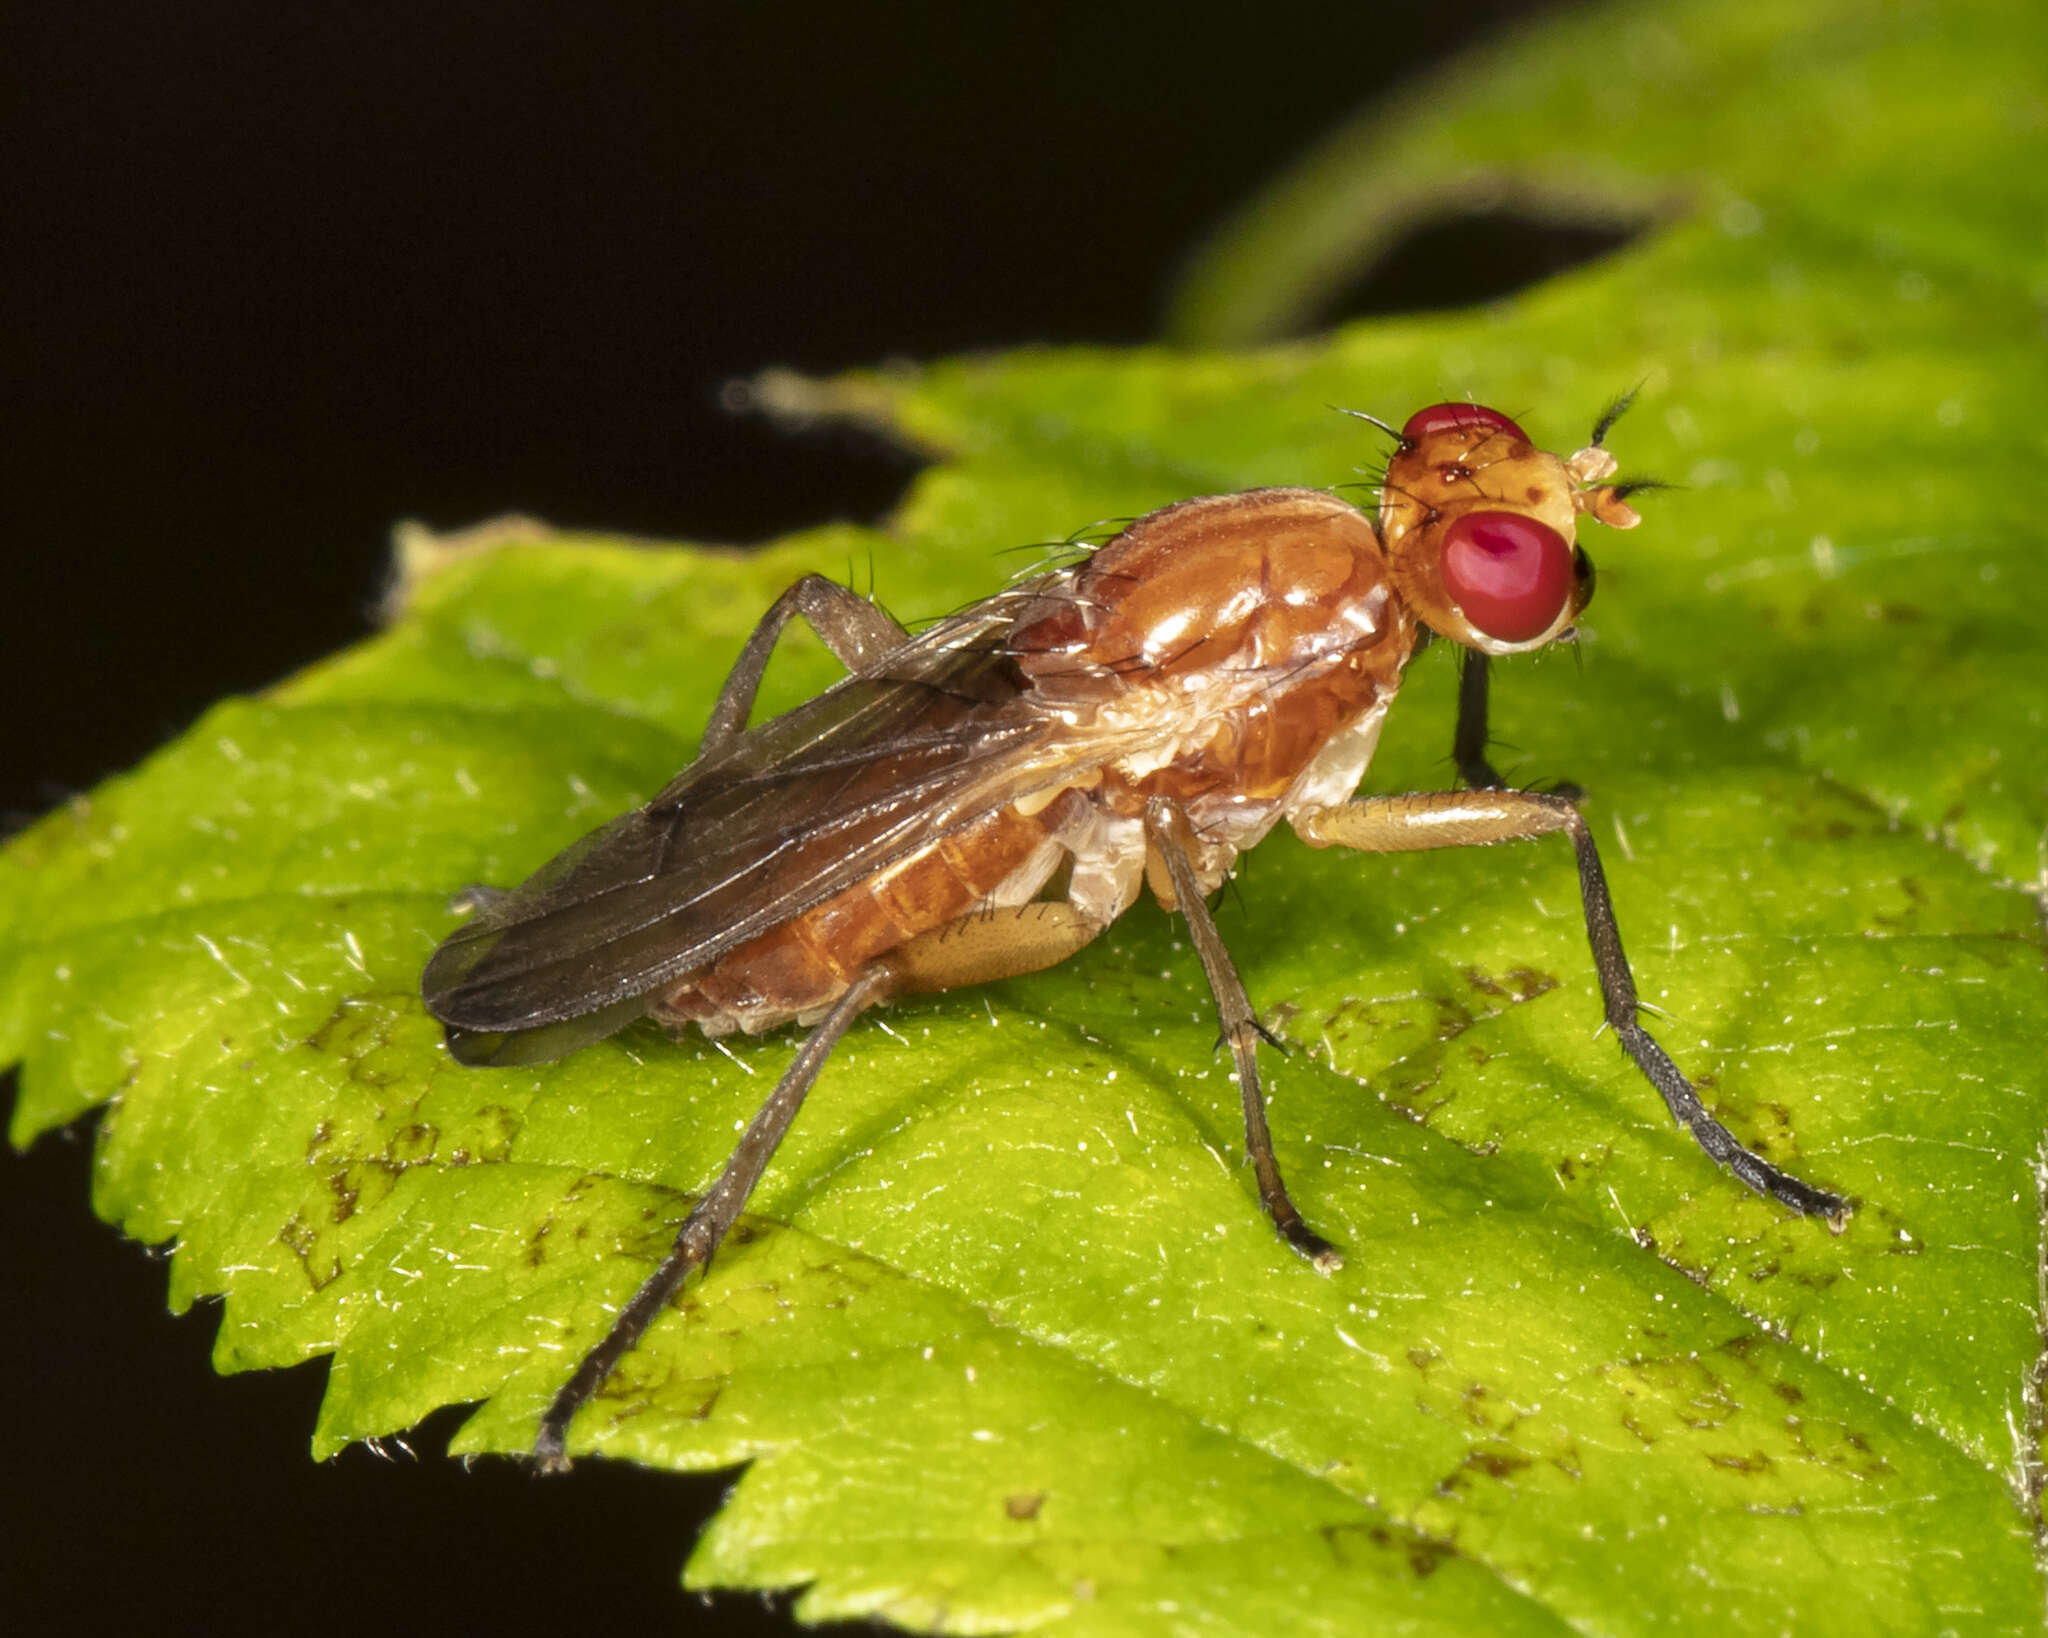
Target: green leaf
[(1007, 1342)]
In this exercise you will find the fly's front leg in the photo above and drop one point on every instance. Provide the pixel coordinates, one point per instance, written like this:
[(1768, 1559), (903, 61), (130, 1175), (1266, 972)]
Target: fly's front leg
[(1169, 835), (1406, 824), (705, 1227), (855, 630), (1468, 743)]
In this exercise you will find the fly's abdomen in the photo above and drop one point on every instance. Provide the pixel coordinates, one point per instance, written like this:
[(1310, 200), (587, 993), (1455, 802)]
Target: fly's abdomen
[(807, 963)]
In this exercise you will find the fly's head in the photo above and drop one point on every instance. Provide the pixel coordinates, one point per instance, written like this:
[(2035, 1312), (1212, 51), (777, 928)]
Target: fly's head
[(1480, 527)]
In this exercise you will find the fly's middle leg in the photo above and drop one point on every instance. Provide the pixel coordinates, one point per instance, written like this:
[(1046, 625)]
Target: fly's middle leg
[(856, 631), (1170, 836), (1408, 824)]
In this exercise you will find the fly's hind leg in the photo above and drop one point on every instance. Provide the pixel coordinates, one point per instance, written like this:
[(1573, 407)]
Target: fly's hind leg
[(1170, 836), (855, 630), (705, 1227), (972, 950), (1408, 824), (991, 944)]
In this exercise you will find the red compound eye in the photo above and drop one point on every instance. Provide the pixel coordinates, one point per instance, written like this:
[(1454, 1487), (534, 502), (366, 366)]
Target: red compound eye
[(1444, 417), (1510, 574)]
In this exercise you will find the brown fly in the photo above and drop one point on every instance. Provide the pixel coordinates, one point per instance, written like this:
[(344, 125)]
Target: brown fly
[(983, 798)]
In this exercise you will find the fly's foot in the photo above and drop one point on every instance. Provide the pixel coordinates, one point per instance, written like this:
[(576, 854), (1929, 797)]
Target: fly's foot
[(1789, 1191), (1320, 1255), (548, 1453)]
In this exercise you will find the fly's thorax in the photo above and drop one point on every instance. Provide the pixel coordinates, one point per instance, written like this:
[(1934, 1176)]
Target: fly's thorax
[(1215, 647), (1481, 528), (1261, 584)]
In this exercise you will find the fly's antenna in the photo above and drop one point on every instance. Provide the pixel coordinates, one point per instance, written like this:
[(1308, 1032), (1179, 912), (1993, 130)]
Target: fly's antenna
[(1614, 412), (1625, 487)]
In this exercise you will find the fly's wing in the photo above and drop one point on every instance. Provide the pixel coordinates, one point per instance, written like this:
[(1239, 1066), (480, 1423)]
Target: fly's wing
[(937, 734)]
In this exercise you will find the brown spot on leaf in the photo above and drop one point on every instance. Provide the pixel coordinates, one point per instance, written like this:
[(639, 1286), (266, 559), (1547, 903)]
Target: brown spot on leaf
[(499, 1130), (1023, 1505), (411, 1145), (303, 1241), (1424, 1555), (536, 1252), (1497, 1464), (1516, 985), (1830, 830)]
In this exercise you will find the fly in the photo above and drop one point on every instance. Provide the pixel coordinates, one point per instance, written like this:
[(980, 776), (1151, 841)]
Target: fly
[(982, 799)]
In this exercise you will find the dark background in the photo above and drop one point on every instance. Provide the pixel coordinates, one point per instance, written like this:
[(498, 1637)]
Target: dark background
[(273, 277)]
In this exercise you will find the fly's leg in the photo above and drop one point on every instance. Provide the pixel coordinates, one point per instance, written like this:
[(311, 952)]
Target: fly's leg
[(992, 944), (972, 950), (705, 1227), (1406, 824), (1468, 743), (1169, 835), (855, 630)]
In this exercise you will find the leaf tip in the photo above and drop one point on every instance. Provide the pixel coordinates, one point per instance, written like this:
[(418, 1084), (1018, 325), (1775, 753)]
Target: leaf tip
[(419, 553)]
